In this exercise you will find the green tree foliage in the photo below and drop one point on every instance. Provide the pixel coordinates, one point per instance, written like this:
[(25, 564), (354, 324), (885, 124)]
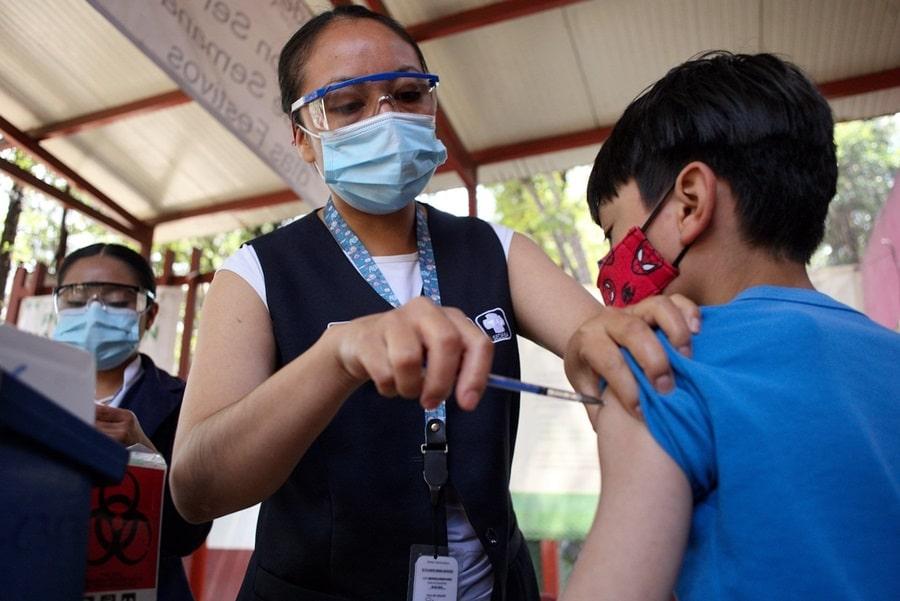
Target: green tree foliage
[(551, 209), (214, 249), (868, 157), (38, 229)]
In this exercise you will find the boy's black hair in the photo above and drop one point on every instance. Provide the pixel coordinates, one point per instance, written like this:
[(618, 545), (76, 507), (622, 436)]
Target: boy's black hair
[(759, 124), (296, 51), (138, 264)]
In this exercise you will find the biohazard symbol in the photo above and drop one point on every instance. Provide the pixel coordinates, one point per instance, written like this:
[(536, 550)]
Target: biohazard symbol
[(121, 531), (645, 260)]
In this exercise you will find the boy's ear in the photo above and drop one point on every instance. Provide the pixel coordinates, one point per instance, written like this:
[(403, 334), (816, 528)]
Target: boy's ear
[(696, 193)]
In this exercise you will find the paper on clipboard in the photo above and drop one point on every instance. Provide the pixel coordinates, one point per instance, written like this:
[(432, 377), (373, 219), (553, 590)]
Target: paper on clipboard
[(62, 373)]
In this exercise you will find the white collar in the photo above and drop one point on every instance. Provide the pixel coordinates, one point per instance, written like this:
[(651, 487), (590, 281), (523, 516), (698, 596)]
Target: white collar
[(132, 373)]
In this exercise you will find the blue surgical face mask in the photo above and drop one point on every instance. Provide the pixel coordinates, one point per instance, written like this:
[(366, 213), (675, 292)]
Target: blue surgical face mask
[(110, 334), (379, 165)]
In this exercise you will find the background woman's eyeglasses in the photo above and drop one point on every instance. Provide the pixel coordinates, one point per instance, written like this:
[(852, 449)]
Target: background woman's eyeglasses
[(109, 295)]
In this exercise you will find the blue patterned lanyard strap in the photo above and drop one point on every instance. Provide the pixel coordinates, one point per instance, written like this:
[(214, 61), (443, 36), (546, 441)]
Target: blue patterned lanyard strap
[(368, 269)]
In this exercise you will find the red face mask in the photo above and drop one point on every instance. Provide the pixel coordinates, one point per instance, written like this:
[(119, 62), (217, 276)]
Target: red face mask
[(634, 270)]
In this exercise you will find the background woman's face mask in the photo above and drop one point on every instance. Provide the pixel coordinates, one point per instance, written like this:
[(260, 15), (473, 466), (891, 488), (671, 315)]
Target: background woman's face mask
[(379, 165), (111, 334)]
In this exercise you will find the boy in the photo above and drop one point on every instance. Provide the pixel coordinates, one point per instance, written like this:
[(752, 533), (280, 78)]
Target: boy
[(772, 471)]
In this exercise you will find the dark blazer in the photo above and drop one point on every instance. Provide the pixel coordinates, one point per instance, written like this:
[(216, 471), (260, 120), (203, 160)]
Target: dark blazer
[(155, 399)]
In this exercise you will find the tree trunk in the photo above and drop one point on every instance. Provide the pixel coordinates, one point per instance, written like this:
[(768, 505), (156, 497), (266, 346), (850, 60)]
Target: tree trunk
[(846, 251), (529, 189), (8, 240), (63, 242), (582, 271)]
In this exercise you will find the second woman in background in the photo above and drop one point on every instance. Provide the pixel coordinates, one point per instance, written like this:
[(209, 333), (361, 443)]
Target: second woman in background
[(105, 302)]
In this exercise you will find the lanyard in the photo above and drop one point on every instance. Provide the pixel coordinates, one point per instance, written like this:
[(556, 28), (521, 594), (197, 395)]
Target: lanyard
[(435, 447), (368, 269)]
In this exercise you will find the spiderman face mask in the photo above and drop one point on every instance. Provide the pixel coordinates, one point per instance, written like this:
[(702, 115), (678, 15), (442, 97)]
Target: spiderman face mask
[(634, 270)]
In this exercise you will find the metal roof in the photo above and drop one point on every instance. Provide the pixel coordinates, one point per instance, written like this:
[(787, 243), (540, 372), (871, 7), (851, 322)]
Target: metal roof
[(527, 86)]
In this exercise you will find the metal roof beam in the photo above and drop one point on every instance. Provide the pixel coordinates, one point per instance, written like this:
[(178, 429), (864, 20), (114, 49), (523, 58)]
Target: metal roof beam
[(28, 179), (377, 6), (75, 125), (861, 84), (480, 17), (527, 148), (238, 204), (458, 158), (24, 141), (469, 19)]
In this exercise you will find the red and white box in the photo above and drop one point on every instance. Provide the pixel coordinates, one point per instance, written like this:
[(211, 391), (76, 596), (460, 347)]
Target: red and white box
[(124, 532)]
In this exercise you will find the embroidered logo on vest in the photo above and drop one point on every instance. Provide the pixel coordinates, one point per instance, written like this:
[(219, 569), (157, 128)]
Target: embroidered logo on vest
[(495, 325)]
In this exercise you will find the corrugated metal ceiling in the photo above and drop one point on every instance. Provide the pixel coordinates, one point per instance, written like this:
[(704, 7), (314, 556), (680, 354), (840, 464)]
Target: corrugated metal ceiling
[(553, 72), (575, 68)]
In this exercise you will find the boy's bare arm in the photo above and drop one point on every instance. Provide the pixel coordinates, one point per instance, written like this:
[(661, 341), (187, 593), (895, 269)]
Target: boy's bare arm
[(635, 547)]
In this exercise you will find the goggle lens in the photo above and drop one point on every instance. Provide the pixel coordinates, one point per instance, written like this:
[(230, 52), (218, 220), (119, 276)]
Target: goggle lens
[(347, 104), (111, 296)]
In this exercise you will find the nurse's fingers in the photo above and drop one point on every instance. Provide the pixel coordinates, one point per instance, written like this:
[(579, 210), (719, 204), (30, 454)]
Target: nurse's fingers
[(443, 344), (362, 350), (593, 355), (675, 315), (477, 358), (405, 356), (419, 350)]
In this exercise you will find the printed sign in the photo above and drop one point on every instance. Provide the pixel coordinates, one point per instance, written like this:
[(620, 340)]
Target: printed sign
[(224, 54), (160, 340)]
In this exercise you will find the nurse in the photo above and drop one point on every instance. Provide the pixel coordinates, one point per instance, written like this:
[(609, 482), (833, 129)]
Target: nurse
[(105, 303), (315, 337)]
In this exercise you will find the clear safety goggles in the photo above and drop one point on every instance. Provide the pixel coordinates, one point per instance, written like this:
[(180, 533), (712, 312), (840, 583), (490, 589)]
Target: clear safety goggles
[(345, 102), (109, 295)]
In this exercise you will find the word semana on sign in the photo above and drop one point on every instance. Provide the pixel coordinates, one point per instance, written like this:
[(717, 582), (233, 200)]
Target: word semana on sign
[(224, 54)]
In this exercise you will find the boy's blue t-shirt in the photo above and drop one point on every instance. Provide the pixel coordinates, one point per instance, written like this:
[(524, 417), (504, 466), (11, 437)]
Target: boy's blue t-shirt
[(786, 422)]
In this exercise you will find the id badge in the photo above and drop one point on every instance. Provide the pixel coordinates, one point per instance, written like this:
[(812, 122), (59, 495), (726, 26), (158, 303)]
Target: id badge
[(432, 578)]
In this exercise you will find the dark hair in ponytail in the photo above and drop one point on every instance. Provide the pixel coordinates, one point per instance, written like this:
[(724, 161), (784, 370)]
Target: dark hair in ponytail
[(296, 52)]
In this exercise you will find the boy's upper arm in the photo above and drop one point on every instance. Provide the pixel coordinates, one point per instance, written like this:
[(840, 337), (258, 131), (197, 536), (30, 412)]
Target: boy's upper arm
[(680, 422), (635, 547), (652, 472)]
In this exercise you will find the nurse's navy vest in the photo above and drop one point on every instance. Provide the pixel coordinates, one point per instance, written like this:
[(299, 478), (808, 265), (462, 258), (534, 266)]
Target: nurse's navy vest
[(341, 526)]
